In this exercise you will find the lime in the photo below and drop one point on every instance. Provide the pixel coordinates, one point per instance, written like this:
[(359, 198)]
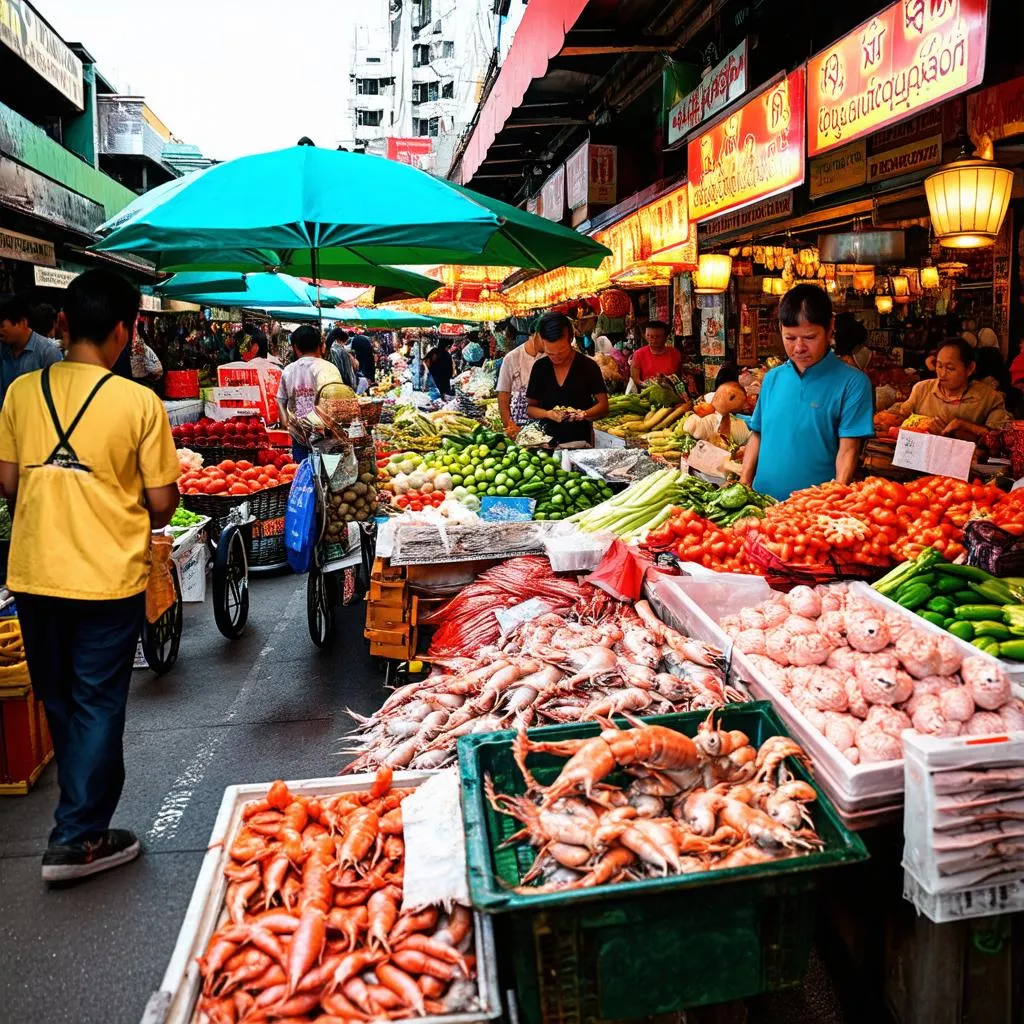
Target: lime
[(501, 479), (514, 474), (501, 491), (529, 473), (456, 480), (557, 500), (549, 470), (541, 516), (490, 474), (483, 451), (490, 463)]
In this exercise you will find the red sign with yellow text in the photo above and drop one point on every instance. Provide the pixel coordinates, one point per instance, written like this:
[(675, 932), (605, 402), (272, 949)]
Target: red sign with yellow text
[(755, 152), (908, 56)]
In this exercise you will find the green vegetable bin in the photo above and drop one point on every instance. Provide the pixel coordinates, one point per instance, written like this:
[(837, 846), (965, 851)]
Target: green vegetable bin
[(636, 949)]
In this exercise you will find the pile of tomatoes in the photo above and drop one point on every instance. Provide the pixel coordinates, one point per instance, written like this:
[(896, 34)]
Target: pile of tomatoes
[(236, 478), (874, 523), (238, 432)]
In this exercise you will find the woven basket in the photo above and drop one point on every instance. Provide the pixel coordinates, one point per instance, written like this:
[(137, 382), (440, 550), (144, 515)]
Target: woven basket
[(266, 548), (215, 454), (270, 503), (783, 576), (217, 506)]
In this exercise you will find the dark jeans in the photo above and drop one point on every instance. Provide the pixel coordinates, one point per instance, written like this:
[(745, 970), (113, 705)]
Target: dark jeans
[(80, 656)]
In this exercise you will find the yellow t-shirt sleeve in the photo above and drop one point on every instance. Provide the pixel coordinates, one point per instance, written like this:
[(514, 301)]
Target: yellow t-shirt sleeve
[(8, 439), (158, 461)]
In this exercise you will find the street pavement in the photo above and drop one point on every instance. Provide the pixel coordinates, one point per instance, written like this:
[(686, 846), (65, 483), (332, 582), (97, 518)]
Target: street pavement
[(268, 706)]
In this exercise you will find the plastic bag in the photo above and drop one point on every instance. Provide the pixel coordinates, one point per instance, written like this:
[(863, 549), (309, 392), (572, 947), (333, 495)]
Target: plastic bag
[(300, 519), (621, 573), (577, 552), (160, 592), (991, 548)]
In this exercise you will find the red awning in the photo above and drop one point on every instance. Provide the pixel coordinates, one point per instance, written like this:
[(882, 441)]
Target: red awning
[(540, 36)]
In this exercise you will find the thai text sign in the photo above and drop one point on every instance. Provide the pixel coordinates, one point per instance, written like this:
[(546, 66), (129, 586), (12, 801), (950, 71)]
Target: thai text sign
[(658, 233), (749, 217), (24, 32), (915, 156), (842, 169), (604, 174), (755, 152), (908, 56), (577, 177), (726, 82), (15, 246)]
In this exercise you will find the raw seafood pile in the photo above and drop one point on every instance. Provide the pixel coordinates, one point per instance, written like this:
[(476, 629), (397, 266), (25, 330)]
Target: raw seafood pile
[(861, 675), (315, 924), (550, 669), (694, 805)]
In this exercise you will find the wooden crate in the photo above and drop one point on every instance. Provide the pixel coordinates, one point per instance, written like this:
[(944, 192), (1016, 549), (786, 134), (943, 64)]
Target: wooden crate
[(388, 592), (25, 744), (389, 617), (384, 570)]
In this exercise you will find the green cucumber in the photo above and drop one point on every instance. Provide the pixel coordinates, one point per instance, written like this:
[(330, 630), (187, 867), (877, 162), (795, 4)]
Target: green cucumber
[(980, 612)]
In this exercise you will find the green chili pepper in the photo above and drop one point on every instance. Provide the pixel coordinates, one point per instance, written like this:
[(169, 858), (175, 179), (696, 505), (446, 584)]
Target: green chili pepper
[(943, 605), (996, 630), (1013, 649), (962, 629), (980, 612), (933, 617)]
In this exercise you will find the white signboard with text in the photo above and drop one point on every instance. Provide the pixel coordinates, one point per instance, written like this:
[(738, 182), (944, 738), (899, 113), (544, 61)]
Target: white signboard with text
[(929, 453)]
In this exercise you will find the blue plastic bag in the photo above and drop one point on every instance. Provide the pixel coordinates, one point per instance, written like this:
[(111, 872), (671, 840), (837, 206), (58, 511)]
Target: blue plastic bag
[(300, 519)]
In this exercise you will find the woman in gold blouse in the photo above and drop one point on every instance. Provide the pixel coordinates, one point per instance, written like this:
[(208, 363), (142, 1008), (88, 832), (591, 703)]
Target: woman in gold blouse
[(963, 407)]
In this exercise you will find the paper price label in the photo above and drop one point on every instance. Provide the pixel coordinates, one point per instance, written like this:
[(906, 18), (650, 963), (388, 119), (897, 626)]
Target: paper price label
[(927, 453), (244, 393), (707, 458)]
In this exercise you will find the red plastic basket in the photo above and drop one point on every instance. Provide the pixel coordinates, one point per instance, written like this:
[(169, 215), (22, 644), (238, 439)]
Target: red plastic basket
[(181, 384)]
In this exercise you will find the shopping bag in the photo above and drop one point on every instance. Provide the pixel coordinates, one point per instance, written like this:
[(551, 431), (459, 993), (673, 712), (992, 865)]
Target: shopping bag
[(300, 519), (160, 594)]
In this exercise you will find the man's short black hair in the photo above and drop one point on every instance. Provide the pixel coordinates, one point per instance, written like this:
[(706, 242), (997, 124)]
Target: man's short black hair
[(657, 325), (96, 302), (15, 309), (806, 302), (306, 339), (43, 319), (552, 326), (337, 334)]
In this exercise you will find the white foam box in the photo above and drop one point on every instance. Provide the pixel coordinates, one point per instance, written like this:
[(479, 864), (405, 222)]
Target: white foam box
[(175, 1001), (926, 759)]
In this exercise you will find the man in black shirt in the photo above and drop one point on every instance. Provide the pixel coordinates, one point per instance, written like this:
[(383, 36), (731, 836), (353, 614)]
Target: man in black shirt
[(362, 349), (566, 390), (440, 367)]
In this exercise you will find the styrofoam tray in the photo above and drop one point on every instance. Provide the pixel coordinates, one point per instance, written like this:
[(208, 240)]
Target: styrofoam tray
[(982, 901), (174, 1002)]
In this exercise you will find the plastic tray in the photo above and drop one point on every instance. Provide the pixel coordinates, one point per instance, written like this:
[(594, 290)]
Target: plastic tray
[(983, 901), (655, 946), (174, 1002)]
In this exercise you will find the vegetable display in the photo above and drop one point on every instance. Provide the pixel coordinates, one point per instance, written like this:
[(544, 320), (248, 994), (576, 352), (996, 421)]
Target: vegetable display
[(239, 432), (861, 674), (315, 928), (974, 605), (183, 519), (235, 478)]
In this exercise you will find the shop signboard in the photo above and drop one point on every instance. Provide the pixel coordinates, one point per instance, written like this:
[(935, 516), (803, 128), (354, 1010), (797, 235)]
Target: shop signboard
[(749, 216), (15, 246), (839, 170), (666, 227), (929, 453), (29, 37), (996, 113), (552, 195), (151, 303), (416, 151), (724, 83), (577, 168), (911, 55), (755, 152), (914, 156), (603, 186), (52, 277), (31, 192)]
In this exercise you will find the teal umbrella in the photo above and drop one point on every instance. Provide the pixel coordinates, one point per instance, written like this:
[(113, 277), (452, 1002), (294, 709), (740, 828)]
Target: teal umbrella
[(256, 290), (369, 319), (330, 214)]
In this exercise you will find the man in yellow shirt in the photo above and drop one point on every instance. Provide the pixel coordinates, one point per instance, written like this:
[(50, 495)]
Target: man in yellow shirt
[(88, 467)]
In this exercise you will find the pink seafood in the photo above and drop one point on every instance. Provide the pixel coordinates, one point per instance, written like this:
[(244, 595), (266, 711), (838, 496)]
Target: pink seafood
[(818, 719), (950, 657), (804, 601), (957, 703), (988, 682), (731, 626), (918, 654), (797, 624), (771, 670), (832, 598), (856, 700), (750, 641), (826, 690), (809, 649), (775, 613), (928, 717), (777, 645), (983, 723), (841, 730), (751, 618), (935, 684), (875, 745), (844, 659), (832, 626), (881, 680), (888, 720), (866, 632), (1012, 714)]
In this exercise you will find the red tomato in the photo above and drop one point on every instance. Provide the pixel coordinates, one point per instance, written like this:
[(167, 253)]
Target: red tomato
[(216, 486), (239, 488)]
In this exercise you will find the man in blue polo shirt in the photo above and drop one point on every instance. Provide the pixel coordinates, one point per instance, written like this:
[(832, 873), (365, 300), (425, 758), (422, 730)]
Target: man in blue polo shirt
[(813, 412), (21, 349)]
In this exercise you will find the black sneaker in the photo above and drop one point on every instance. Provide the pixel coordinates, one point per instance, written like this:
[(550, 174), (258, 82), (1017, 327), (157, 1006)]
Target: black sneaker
[(64, 863)]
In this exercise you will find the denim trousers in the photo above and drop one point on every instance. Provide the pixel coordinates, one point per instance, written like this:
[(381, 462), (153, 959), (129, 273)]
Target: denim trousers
[(80, 656)]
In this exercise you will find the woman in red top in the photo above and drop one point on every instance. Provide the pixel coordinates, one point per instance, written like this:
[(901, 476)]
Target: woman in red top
[(655, 359)]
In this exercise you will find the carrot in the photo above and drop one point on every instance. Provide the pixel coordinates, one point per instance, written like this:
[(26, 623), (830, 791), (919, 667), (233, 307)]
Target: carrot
[(402, 985), (432, 988), (298, 1005), (274, 872), (363, 826), (415, 962), (351, 964), (307, 945), (319, 976), (384, 998), (409, 923), (279, 795), (352, 923), (277, 921), (438, 950), (391, 822), (382, 909), (457, 926), (316, 883)]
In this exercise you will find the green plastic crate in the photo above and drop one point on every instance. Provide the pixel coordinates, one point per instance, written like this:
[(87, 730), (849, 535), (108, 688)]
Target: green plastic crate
[(635, 949)]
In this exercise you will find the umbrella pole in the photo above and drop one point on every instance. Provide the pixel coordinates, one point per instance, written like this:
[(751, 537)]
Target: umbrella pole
[(316, 281)]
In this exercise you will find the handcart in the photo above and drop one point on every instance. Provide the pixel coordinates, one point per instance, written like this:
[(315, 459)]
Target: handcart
[(339, 574)]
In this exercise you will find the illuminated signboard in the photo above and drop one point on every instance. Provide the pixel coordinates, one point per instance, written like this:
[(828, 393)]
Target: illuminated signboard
[(755, 152), (726, 82), (908, 56)]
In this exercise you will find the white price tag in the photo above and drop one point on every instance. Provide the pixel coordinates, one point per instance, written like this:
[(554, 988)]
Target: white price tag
[(243, 393), (707, 458), (928, 453)]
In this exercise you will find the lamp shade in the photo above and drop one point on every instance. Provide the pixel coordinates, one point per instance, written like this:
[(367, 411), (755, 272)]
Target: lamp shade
[(883, 303), (967, 200), (712, 274), (929, 277)]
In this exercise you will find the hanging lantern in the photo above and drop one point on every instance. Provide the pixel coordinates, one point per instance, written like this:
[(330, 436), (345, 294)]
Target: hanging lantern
[(929, 277), (712, 274), (766, 285), (864, 281), (899, 287), (967, 200), (883, 303), (615, 303)]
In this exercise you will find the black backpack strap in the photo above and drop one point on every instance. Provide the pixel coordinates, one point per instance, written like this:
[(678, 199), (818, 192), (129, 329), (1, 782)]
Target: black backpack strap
[(64, 436)]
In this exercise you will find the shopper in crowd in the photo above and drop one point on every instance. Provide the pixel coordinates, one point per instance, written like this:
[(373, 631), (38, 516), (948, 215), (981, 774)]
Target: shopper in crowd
[(656, 358), (473, 355), (301, 382), (362, 350), (990, 369), (721, 423), (88, 466), (1017, 366), (22, 350), (851, 341), (566, 390), (813, 412), (439, 366), (338, 354), (43, 321), (603, 347), (513, 379), (228, 349), (962, 406), (146, 366)]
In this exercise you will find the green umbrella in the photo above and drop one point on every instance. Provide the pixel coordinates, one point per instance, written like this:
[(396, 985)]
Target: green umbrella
[(331, 214), (257, 290)]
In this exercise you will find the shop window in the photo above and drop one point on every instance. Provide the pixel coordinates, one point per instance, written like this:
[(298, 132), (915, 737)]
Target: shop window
[(424, 14), (367, 86), (420, 55), (370, 118)]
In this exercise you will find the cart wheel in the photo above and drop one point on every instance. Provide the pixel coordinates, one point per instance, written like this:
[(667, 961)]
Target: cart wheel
[(161, 639), (319, 607), (231, 583)]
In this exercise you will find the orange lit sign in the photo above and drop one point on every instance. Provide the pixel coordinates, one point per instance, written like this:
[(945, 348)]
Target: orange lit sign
[(658, 233), (755, 152), (908, 56)]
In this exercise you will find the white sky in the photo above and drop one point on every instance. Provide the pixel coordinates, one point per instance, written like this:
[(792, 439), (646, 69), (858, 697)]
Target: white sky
[(231, 76)]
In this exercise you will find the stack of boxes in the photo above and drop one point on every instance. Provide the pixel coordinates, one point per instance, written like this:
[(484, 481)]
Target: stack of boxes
[(391, 613)]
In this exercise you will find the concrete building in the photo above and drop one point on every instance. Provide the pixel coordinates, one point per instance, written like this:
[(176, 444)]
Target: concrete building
[(418, 69)]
